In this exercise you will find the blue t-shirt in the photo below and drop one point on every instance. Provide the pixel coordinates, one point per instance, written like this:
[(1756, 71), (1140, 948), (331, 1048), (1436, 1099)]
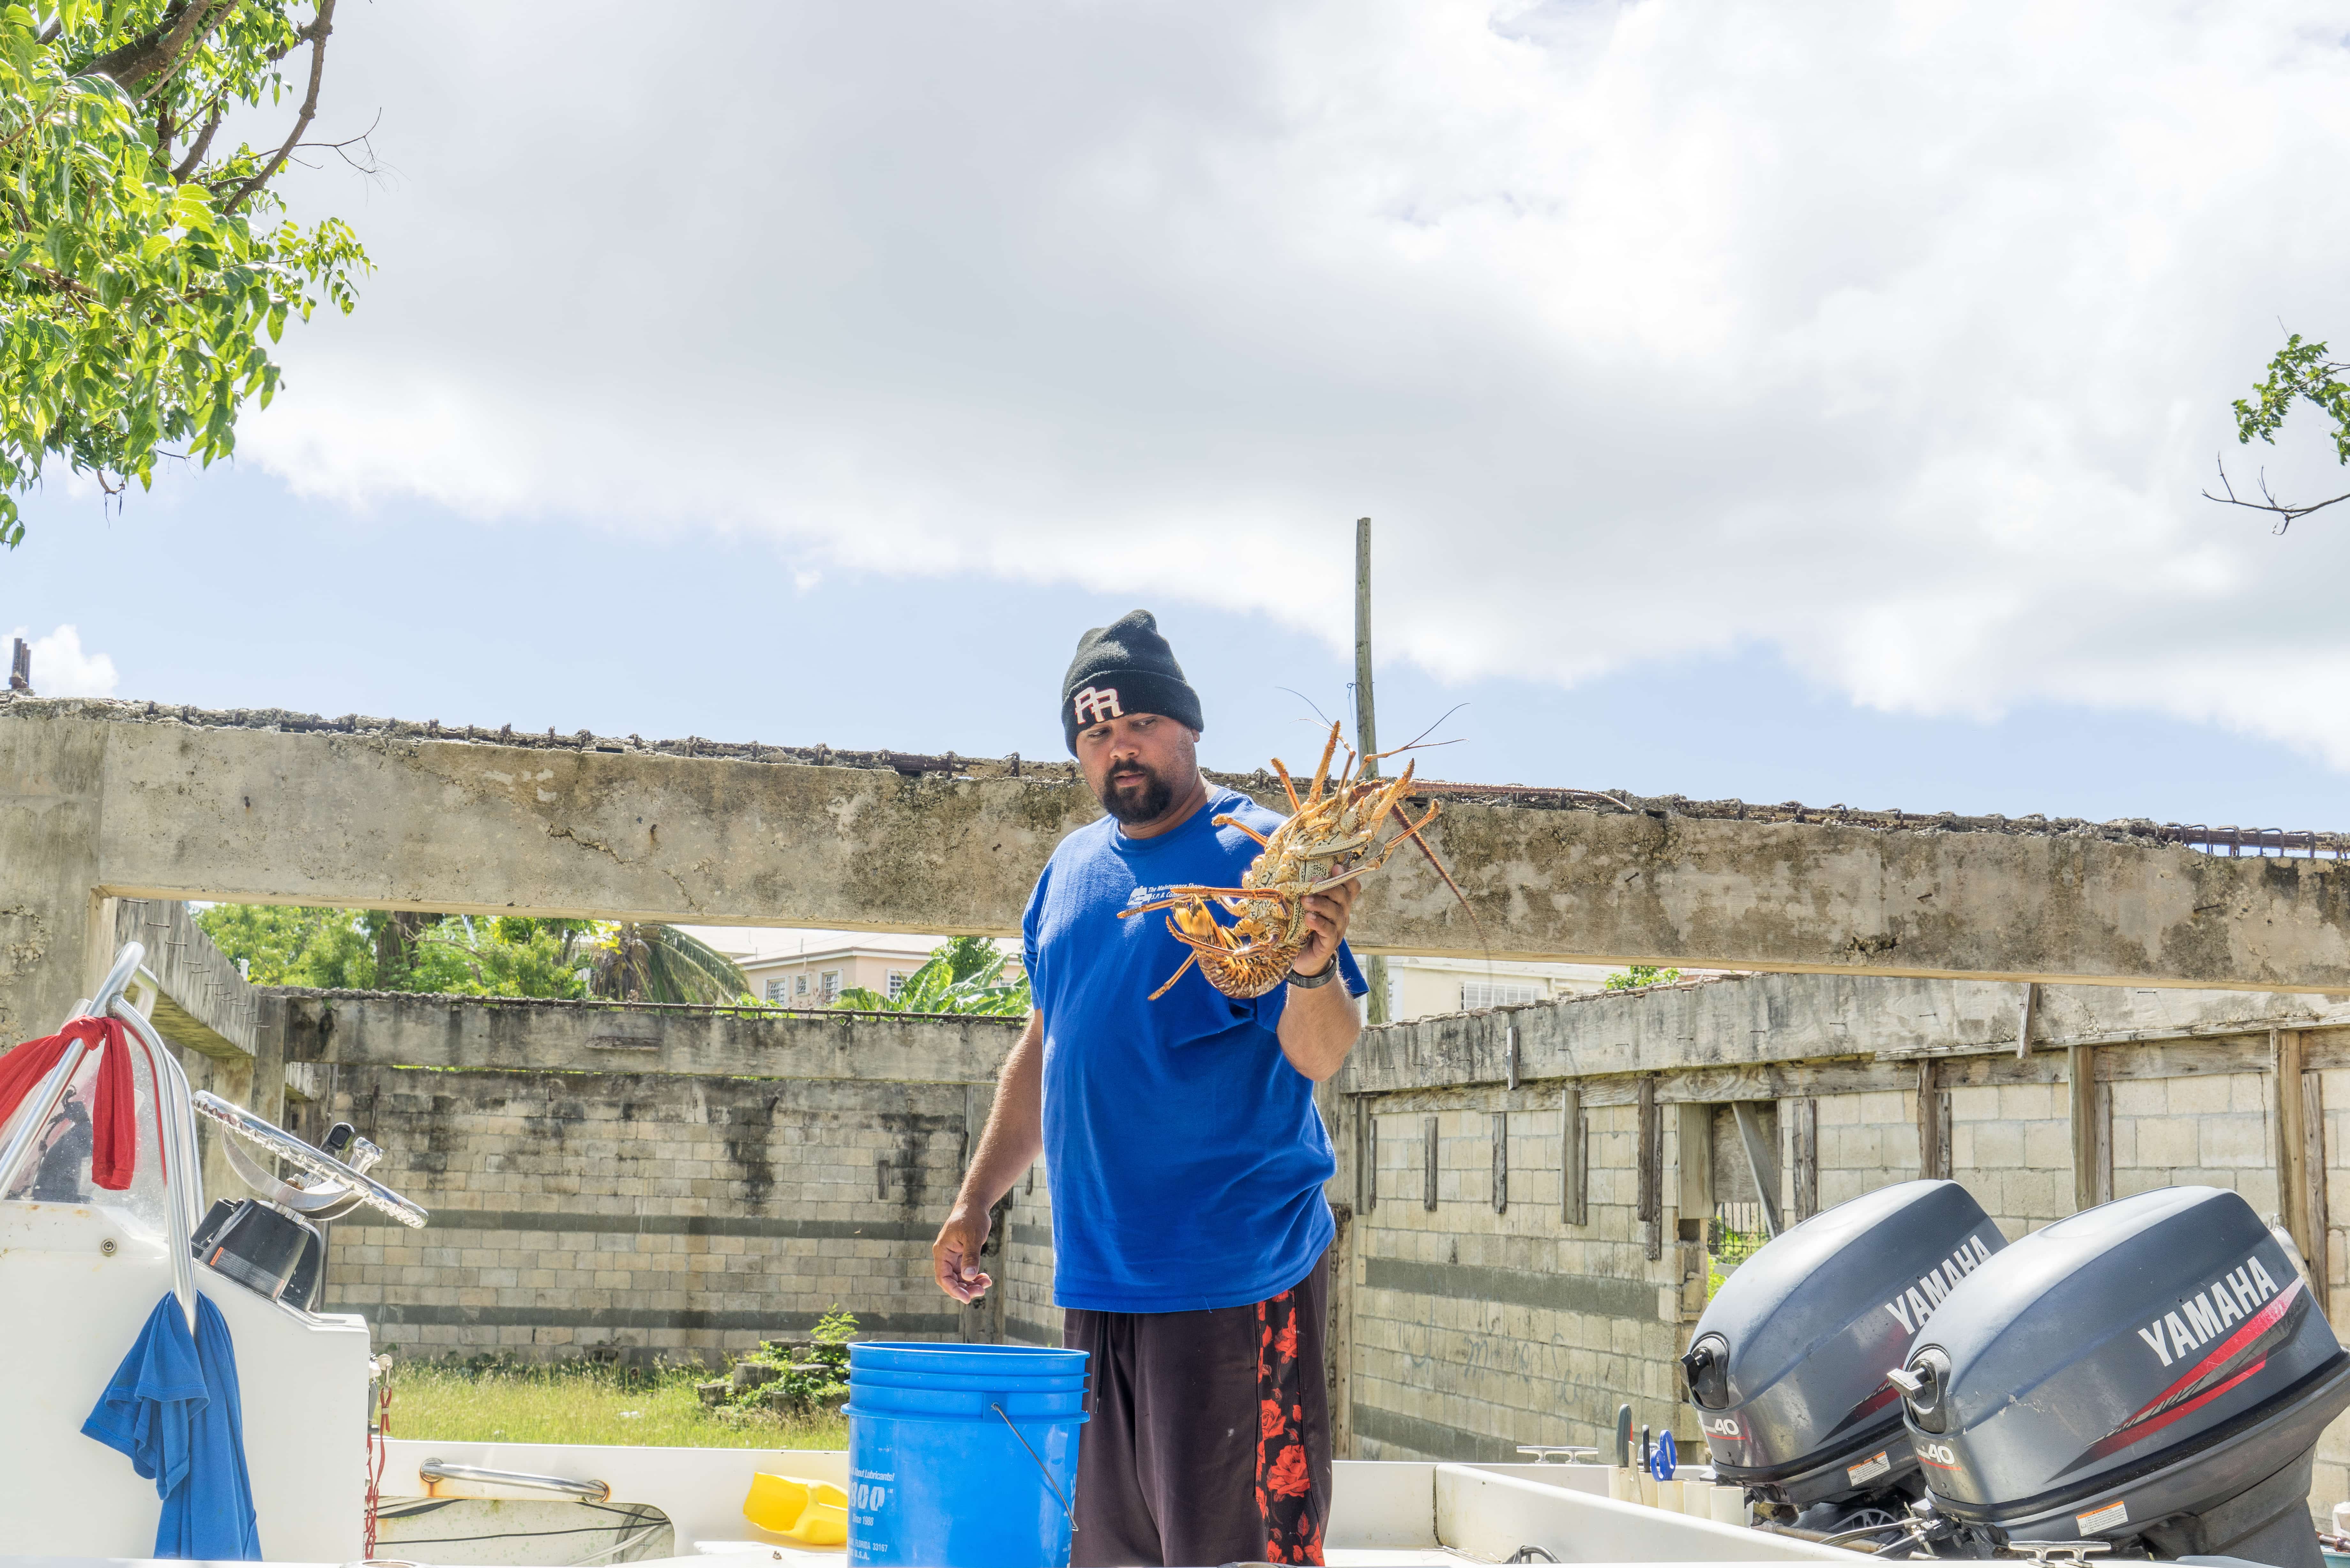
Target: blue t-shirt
[(1184, 1152)]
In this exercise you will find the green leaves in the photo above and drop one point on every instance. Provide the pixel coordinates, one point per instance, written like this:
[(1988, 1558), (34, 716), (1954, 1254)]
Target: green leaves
[(2300, 372), (133, 306), (964, 974)]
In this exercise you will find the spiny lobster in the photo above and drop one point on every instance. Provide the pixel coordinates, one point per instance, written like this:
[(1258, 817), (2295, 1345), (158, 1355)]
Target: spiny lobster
[(1330, 839)]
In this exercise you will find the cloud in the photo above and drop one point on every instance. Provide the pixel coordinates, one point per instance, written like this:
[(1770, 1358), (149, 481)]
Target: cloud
[(1896, 339), (61, 668)]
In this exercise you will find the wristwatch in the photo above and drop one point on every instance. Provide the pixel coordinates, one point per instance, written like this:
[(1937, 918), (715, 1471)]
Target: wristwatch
[(1316, 982)]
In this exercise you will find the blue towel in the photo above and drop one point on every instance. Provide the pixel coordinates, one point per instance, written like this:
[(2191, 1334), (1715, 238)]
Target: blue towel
[(173, 1409)]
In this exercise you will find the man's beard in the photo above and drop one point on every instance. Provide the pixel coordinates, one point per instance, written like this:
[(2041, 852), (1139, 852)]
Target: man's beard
[(1147, 803)]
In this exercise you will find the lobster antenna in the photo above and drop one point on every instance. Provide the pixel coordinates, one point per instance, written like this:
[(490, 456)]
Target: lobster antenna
[(1423, 735), (1302, 697)]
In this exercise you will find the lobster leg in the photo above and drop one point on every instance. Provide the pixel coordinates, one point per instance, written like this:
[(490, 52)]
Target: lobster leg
[(1192, 895), (1295, 804), (1188, 960), (1413, 834), (1321, 770), (1244, 827)]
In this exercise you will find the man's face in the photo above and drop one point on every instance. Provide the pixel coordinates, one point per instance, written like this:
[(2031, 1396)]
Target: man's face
[(1137, 764)]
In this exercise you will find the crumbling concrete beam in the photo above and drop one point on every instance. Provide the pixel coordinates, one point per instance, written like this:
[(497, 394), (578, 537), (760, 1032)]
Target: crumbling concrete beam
[(107, 799)]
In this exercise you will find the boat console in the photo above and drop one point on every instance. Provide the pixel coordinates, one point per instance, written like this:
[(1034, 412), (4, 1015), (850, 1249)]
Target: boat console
[(82, 1269)]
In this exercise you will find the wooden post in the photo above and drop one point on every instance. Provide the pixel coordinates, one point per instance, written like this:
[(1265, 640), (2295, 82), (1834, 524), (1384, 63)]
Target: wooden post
[(2297, 1174), (1694, 1208), (1650, 1212), (1933, 1133), (1368, 1160), (1762, 1162), (1427, 1164), (1574, 1162), (1803, 1136), (2088, 1138), (1366, 733), (1338, 1340), (1501, 1161), (2313, 1145)]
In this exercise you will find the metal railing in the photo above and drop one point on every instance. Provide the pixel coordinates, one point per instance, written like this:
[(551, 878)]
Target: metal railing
[(184, 1192)]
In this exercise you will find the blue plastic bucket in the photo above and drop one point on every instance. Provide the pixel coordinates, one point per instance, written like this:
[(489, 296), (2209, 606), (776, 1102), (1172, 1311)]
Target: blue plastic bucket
[(963, 1456)]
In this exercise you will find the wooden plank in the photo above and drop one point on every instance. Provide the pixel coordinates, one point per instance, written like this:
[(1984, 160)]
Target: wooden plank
[(1338, 1331), (2290, 1128), (1933, 1134), (1575, 1160), (1368, 1162), (2103, 1092), (1803, 1142), (2081, 1079), (2312, 1164), (1501, 1161), (1427, 1164), (1651, 1210), (1762, 1162), (1694, 1169)]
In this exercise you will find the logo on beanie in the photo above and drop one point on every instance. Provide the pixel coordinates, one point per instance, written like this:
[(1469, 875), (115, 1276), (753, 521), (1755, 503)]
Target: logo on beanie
[(1093, 706)]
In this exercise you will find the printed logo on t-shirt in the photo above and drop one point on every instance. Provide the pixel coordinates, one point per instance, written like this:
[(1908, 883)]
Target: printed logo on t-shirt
[(1093, 706)]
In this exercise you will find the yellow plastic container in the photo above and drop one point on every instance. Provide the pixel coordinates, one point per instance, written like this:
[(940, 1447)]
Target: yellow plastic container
[(812, 1512)]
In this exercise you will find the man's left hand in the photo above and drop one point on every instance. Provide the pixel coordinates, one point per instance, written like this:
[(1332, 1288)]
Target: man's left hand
[(1327, 915)]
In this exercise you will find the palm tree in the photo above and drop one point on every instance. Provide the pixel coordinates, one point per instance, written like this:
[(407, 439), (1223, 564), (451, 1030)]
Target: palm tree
[(638, 963)]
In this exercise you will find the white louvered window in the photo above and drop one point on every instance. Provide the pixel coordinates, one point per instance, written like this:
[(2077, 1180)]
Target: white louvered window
[(897, 978), (1477, 994), (778, 990), (828, 985)]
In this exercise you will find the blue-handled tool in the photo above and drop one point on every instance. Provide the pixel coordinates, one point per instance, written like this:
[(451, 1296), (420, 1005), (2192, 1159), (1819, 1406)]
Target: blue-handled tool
[(1666, 1459)]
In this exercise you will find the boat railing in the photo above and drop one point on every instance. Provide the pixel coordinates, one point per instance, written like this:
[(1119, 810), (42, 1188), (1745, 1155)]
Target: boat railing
[(435, 1472), (184, 1192)]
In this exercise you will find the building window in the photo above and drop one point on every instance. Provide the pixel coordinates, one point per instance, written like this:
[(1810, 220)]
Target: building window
[(897, 978), (827, 986), (1477, 994), (799, 985), (778, 990)]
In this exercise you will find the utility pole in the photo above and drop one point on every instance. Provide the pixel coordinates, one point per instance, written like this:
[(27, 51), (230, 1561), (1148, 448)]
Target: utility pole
[(1366, 732), (20, 669)]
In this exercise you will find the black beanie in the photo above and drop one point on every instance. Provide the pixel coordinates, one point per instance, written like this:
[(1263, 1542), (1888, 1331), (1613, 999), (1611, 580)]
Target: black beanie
[(1125, 668)]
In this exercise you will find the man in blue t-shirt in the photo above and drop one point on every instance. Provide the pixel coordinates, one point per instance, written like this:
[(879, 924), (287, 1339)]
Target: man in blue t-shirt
[(1181, 1141)]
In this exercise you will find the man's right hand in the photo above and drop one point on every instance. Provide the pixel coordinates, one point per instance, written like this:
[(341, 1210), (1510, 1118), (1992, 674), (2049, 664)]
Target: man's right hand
[(955, 1255)]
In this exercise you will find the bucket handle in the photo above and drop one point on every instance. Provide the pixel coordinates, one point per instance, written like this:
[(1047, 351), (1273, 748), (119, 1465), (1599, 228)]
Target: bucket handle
[(1041, 1470)]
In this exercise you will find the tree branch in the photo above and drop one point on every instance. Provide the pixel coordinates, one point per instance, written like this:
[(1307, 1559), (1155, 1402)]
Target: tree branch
[(196, 151), (2286, 514), (159, 51), (320, 26)]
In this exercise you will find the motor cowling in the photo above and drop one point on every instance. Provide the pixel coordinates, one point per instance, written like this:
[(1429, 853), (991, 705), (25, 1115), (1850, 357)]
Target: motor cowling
[(1787, 1368), (2154, 1369)]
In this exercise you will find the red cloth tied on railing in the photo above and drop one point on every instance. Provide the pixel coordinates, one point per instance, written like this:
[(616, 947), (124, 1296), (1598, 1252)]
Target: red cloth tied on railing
[(114, 1118)]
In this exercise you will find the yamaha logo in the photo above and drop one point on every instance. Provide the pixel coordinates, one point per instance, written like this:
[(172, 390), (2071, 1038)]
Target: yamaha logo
[(1095, 705), (1721, 1426), (1939, 1454)]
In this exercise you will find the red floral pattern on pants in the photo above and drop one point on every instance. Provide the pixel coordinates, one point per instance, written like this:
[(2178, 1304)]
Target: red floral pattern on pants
[(1284, 1483)]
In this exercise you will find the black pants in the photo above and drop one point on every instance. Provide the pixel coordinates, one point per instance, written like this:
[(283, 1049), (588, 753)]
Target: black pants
[(1209, 1440)]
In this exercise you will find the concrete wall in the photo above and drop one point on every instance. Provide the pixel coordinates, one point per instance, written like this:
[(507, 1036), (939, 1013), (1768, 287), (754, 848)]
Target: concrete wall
[(102, 800), (678, 1181), (1478, 1326)]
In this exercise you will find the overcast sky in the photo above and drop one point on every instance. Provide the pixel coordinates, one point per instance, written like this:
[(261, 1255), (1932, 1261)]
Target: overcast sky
[(1772, 400)]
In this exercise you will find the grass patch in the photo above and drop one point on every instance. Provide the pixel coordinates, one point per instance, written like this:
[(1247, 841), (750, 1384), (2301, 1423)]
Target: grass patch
[(582, 1402)]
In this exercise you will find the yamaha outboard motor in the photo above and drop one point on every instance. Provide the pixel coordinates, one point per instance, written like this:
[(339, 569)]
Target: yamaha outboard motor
[(1787, 1367), (2152, 1373)]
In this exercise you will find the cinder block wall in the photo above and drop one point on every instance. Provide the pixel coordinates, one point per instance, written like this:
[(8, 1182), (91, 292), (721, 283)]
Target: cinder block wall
[(645, 1213), (1477, 1326)]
